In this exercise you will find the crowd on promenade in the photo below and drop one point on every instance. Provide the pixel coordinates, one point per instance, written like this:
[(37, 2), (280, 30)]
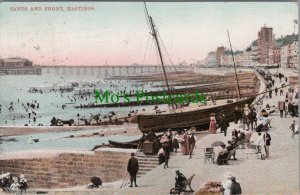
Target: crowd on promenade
[(249, 120)]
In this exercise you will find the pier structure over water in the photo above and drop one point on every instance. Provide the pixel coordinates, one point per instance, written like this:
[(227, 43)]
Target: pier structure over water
[(107, 71), (25, 70)]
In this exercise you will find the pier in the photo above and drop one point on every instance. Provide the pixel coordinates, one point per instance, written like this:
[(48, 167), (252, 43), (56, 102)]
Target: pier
[(21, 70), (107, 71)]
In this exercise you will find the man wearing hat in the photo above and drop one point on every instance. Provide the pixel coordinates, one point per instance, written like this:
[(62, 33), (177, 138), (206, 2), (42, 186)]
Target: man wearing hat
[(132, 168), (224, 124), (267, 141), (235, 187), (179, 179), (191, 142), (236, 114)]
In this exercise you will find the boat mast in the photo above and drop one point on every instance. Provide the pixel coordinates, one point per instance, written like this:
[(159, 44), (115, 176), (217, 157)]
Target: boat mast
[(154, 34), (237, 80)]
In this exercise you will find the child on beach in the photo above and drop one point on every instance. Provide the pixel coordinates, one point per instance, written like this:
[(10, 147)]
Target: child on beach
[(292, 128)]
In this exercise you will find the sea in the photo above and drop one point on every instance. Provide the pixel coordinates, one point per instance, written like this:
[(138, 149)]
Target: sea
[(15, 91)]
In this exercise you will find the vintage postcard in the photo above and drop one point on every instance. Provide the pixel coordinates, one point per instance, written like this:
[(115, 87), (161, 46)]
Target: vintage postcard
[(149, 98)]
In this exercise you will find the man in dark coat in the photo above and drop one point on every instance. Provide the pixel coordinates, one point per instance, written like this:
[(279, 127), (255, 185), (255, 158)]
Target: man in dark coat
[(166, 149), (236, 115), (179, 179), (224, 124), (235, 187), (132, 168), (191, 143), (267, 140)]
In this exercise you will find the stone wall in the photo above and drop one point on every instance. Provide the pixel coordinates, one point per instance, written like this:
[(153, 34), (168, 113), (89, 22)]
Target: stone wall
[(69, 169)]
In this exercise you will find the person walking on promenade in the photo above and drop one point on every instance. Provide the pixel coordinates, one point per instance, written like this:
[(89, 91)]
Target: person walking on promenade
[(183, 143), (227, 184), (212, 124), (246, 116), (276, 91), (235, 187), (292, 128), (161, 156), (132, 168), (191, 142), (267, 141), (270, 93), (259, 142), (224, 124), (281, 107), (175, 141), (251, 119), (166, 149), (236, 114), (281, 92)]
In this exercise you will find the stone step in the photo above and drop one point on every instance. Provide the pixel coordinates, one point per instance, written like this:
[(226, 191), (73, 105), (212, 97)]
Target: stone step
[(150, 167), (148, 160), (145, 168), (148, 164), (154, 157)]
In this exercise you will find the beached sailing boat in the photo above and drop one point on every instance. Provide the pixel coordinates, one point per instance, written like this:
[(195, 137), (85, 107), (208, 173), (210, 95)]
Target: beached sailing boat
[(186, 119)]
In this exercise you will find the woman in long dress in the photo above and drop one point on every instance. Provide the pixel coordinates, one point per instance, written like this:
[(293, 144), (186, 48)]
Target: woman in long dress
[(183, 143), (212, 124)]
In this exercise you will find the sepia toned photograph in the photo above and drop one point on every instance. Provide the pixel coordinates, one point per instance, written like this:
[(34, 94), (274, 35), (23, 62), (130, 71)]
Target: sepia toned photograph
[(149, 98)]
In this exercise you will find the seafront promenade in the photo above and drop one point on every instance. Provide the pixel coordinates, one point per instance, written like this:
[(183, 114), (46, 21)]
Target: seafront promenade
[(278, 174)]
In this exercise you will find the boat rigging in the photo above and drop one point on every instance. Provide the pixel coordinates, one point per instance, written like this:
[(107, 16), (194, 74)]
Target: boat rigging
[(154, 34)]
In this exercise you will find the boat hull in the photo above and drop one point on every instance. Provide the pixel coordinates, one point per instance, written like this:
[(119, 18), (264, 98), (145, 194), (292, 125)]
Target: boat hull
[(133, 144), (196, 118)]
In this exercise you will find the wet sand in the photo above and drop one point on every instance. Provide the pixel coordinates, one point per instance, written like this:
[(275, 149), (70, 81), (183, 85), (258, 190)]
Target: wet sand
[(131, 129)]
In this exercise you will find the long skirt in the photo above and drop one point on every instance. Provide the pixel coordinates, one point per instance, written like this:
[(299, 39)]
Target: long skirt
[(212, 127), (184, 148)]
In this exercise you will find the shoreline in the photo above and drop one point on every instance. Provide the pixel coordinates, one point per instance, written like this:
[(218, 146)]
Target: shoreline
[(16, 131)]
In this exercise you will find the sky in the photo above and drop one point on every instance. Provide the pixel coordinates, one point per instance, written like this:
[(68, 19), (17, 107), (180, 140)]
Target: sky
[(116, 33)]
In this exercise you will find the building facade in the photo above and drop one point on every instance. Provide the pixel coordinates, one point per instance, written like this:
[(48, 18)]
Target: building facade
[(211, 59), (289, 55), (254, 54), (274, 56), (245, 58), (264, 43), (219, 55)]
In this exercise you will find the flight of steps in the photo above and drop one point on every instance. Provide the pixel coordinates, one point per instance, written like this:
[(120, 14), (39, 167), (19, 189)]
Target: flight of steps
[(146, 163)]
